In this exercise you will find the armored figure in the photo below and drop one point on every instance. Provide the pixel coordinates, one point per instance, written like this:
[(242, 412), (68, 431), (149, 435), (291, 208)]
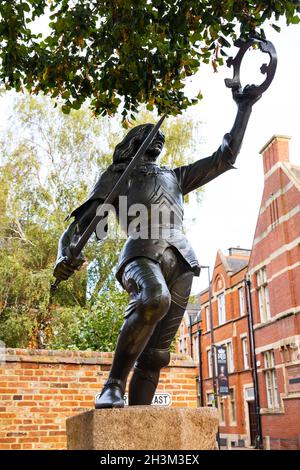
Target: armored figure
[(155, 269)]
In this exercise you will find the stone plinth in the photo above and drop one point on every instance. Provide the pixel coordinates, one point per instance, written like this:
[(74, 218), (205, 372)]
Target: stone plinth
[(144, 428)]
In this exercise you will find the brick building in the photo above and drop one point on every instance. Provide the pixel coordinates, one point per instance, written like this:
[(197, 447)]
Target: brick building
[(230, 323), (274, 274), (255, 305)]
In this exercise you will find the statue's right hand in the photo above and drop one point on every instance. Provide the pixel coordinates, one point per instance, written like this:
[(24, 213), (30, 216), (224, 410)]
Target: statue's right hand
[(247, 97), (65, 267)]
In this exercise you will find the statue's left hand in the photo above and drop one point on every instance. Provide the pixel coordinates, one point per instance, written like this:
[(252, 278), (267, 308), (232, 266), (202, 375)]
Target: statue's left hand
[(247, 97), (65, 266)]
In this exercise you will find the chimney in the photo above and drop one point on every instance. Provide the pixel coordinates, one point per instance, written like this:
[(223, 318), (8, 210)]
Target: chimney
[(238, 251), (274, 151)]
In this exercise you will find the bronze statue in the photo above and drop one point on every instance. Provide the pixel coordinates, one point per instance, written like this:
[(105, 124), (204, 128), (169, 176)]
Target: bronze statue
[(156, 271)]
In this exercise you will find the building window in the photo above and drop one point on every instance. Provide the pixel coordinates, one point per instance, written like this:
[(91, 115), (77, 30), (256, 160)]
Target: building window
[(185, 345), (241, 301), (250, 394), (263, 295), (209, 399), (229, 352), (196, 348), (221, 308), (222, 410), (207, 315), (209, 363), (245, 353), (274, 214), (229, 356), (232, 408), (271, 380)]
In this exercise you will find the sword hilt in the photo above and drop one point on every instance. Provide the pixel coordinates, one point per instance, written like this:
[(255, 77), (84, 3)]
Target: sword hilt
[(72, 261), (55, 285)]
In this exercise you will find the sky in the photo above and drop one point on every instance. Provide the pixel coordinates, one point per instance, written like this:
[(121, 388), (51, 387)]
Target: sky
[(228, 212)]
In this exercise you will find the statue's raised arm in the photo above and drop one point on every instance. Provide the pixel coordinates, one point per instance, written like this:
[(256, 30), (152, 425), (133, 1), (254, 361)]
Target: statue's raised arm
[(202, 171)]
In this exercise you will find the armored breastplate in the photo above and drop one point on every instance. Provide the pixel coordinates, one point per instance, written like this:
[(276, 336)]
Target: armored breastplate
[(154, 203)]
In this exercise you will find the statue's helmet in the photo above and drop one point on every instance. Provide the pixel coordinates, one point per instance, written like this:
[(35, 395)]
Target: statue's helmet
[(127, 148)]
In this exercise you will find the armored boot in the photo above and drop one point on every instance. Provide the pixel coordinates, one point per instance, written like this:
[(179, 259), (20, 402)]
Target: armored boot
[(112, 395)]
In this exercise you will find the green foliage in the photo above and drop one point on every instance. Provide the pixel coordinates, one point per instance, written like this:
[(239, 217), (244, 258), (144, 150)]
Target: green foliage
[(95, 327), (48, 162), (124, 51)]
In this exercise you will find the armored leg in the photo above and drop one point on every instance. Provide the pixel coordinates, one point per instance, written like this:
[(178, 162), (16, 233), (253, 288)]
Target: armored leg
[(156, 354), (150, 301)]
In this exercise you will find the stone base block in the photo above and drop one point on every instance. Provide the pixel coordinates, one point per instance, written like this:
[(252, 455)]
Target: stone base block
[(144, 428)]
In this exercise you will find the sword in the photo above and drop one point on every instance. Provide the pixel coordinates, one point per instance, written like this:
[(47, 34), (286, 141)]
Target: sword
[(76, 249)]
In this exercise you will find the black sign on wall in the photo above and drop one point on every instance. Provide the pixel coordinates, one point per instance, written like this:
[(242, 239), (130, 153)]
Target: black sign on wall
[(222, 370)]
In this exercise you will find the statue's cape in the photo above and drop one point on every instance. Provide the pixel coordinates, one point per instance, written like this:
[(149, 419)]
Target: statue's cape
[(102, 188)]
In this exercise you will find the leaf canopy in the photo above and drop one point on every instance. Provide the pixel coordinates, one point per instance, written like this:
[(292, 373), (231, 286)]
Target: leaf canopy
[(124, 51)]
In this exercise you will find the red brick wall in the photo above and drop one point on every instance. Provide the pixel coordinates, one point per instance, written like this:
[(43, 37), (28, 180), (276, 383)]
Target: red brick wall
[(276, 247), (284, 433), (40, 389)]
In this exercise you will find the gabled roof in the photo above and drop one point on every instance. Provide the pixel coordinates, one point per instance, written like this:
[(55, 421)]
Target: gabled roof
[(193, 307), (236, 264)]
